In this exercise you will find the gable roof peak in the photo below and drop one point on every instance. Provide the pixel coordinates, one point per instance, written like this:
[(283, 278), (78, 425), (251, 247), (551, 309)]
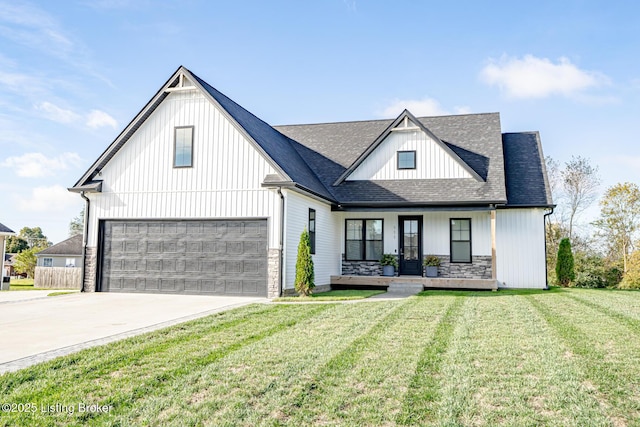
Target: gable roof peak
[(403, 119)]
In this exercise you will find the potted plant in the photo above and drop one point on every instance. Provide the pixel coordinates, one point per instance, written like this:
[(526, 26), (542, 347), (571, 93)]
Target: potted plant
[(389, 264), (431, 264)]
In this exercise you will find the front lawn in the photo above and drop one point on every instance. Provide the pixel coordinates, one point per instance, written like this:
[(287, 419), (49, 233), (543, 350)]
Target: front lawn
[(561, 357)]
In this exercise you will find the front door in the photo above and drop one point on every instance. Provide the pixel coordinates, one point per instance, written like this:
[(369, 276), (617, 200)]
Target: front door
[(410, 245)]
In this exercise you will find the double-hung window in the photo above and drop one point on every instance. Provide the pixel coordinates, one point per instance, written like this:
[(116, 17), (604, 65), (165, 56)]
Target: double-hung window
[(363, 240), (183, 147), (47, 262), (460, 239), (312, 230)]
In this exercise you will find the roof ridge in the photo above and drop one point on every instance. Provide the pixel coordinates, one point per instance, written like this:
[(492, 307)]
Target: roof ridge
[(385, 120)]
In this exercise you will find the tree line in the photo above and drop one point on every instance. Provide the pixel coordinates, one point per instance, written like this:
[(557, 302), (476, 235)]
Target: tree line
[(604, 252)]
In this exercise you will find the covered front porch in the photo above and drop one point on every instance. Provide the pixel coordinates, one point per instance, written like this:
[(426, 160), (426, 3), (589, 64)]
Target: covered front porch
[(426, 282)]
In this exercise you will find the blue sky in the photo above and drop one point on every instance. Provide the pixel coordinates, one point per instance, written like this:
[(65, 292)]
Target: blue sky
[(74, 73)]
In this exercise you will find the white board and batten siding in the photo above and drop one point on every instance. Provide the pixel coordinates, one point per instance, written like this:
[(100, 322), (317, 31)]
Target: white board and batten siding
[(326, 260), (140, 182), (432, 161), (435, 230), (520, 248)]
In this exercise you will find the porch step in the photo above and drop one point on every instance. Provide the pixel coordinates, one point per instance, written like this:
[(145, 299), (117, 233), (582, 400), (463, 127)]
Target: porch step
[(405, 288)]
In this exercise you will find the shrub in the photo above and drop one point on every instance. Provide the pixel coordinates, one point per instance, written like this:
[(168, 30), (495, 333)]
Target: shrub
[(431, 261), (565, 274), (631, 279), (304, 266), (590, 271)]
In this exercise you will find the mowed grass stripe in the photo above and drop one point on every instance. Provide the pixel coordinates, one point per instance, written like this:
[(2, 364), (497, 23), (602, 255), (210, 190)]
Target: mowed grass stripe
[(600, 301), (601, 349), (93, 363), (364, 382), (248, 386), (143, 372), (418, 406), (496, 370)]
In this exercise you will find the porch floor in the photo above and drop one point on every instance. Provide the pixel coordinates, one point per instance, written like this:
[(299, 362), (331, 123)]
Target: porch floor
[(427, 282)]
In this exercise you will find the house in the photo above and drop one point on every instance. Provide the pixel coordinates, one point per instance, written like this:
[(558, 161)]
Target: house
[(4, 233), (67, 253), (9, 261), (198, 195)]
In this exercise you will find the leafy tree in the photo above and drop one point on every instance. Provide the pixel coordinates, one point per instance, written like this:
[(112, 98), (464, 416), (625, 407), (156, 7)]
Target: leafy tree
[(631, 279), (619, 219), (76, 226), (34, 237), (564, 265), (16, 244), (304, 266), (580, 182), (25, 261)]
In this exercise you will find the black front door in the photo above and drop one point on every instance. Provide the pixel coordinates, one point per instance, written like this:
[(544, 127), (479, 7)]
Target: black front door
[(411, 245)]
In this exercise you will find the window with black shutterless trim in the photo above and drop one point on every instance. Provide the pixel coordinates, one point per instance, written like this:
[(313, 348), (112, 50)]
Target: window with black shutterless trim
[(363, 239), (312, 230), (406, 159), (460, 239), (183, 147)]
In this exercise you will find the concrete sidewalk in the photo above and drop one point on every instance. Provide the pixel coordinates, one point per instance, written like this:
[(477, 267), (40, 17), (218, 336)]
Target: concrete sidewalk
[(38, 329)]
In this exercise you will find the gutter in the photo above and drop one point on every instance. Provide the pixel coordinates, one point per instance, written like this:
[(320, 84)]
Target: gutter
[(281, 260), (546, 264), (85, 236)]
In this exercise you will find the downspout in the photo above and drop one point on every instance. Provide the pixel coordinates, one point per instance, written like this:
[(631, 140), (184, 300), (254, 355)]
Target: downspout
[(546, 263), (281, 261), (85, 236)]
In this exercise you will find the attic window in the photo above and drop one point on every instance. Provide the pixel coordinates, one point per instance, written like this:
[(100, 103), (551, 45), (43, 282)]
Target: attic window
[(406, 159), (183, 147)]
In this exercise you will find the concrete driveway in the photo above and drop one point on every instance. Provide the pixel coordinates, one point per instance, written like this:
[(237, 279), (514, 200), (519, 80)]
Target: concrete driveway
[(35, 328)]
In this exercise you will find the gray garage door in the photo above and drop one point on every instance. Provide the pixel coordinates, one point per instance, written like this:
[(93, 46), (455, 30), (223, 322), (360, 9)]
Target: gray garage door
[(212, 257)]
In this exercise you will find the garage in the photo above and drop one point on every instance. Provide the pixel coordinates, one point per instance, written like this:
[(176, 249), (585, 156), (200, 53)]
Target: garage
[(208, 257)]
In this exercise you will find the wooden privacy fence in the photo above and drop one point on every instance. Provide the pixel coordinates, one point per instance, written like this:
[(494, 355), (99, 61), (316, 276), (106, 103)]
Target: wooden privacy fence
[(58, 277)]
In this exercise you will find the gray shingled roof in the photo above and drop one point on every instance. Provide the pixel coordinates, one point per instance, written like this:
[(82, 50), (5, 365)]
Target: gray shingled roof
[(330, 148), (314, 156), (5, 229), (527, 183), (71, 246)]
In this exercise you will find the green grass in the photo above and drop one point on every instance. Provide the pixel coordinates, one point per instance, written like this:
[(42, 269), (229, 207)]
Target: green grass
[(55, 294), (339, 295), (561, 357)]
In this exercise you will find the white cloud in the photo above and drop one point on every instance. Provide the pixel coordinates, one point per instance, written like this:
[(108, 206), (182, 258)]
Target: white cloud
[(532, 77), (31, 26), (55, 198), (97, 119), (35, 165), (57, 114), (420, 107)]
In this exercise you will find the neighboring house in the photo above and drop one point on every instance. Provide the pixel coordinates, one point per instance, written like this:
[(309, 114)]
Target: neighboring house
[(67, 253), (9, 261), (197, 195), (4, 233)]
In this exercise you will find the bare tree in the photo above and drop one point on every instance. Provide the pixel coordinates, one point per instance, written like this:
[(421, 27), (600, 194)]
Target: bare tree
[(580, 181)]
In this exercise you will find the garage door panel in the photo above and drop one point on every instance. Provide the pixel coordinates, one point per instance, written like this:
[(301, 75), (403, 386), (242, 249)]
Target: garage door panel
[(202, 257)]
